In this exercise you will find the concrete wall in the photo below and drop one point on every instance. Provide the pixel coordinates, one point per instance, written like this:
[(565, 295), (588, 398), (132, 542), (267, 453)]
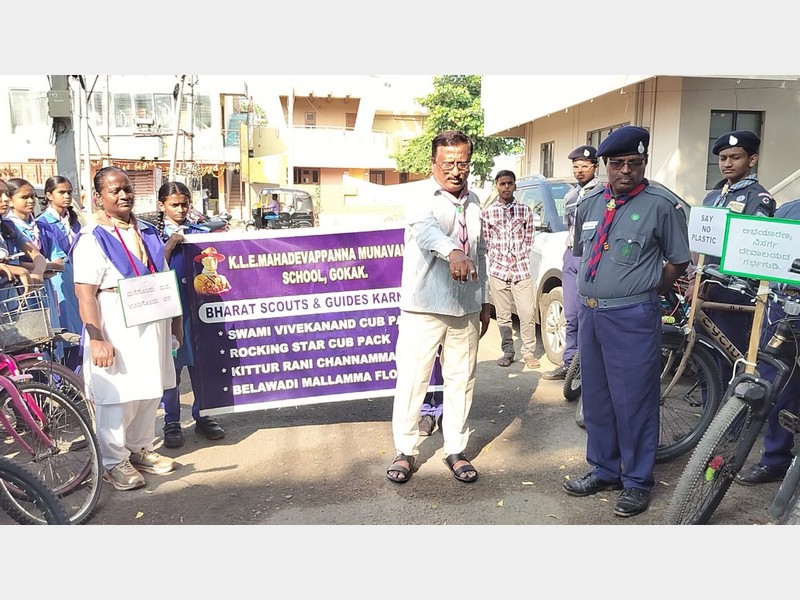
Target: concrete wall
[(677, 112)]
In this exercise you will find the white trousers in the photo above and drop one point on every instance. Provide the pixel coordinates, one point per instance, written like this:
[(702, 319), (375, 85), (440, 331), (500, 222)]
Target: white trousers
[(125, 428), (418, 340)]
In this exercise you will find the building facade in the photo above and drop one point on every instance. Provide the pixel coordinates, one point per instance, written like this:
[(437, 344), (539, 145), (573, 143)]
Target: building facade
[(684, 115), (230, 135)]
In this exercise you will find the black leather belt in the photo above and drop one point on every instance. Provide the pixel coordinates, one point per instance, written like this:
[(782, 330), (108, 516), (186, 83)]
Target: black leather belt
[(615, 302)]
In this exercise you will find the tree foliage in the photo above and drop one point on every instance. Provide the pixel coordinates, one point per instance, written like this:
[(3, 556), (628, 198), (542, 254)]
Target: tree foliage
[(455, 103)]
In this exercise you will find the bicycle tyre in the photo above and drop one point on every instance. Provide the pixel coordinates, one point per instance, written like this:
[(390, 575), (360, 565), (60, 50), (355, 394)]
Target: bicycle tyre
[(572, 380), (791, 516), (72, 469), (713, 465), (60, 377), (686, 413), (18, 484)]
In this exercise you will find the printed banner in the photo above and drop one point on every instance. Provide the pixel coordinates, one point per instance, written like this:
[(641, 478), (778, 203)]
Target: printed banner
[(284, 319)]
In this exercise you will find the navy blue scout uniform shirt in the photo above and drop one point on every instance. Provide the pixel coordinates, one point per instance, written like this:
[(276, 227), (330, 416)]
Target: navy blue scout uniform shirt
[(751, 200), (648, 229)]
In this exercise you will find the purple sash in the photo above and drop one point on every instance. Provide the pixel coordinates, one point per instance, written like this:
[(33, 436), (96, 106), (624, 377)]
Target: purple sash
[(115, 251)]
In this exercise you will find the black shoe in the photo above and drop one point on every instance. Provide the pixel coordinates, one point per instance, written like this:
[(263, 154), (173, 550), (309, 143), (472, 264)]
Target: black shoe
[(760, 474), (557, 373), (426, 425), (209, 429), (632, 501), (173, 435), (589, 484)]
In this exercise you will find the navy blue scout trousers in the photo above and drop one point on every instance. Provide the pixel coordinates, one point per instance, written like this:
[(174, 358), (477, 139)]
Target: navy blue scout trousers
[(569, 288), (620, 354)]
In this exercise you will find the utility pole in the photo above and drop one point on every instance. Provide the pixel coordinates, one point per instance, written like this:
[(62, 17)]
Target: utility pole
[(178, 95), (60, 107)]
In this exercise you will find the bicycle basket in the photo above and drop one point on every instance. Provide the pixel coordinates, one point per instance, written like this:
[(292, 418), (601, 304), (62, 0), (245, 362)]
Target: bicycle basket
[(24, 318)]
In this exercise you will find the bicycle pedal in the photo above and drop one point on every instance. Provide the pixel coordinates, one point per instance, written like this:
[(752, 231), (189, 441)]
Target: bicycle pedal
[(789, 421)]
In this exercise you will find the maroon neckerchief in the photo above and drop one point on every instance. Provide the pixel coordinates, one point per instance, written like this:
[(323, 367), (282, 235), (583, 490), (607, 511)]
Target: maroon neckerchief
[(463, 235), (612, 204)]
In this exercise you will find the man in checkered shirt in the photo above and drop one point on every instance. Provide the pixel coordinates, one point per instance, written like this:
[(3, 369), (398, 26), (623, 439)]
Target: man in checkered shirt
[(508, 231)]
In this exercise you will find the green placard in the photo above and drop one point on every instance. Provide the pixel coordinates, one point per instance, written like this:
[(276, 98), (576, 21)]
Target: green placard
[(761, 248)]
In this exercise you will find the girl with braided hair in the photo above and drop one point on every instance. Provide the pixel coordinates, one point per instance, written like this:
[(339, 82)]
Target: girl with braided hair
[(174, 201), (62, 223)]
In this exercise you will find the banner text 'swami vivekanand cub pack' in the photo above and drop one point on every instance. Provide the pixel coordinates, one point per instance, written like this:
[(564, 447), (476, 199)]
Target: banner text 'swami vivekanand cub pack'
[(302, 319)]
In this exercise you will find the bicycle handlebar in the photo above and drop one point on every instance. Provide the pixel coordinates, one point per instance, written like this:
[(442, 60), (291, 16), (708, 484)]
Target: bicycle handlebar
[(789, 299)]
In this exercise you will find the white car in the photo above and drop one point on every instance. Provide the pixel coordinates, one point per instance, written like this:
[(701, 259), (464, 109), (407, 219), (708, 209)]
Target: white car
[(545, 196)]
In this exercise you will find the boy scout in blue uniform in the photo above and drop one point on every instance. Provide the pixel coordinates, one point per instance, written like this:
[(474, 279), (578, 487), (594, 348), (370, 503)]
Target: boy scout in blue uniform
[(740, 193), (584, 168), (634, 243)]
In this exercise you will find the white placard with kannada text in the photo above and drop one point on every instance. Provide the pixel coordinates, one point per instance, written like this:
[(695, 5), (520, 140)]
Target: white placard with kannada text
[(150, 298), (761, 248), (707, 229)]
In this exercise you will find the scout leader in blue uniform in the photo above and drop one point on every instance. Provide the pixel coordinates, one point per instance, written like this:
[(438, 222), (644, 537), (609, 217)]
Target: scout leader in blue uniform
[(633, 242), (584, 168), (740, 193)]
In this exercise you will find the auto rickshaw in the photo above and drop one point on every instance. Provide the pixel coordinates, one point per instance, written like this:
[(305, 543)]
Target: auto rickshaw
[(282, 208)]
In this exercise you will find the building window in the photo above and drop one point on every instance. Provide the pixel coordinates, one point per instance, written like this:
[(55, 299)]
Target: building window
[(723, 121), (311, 119), (28, 108), (546, 158), (164, 109), (596, 137), (378, 177), (306, 175), (201, 115), (123, 110), (97, 108)]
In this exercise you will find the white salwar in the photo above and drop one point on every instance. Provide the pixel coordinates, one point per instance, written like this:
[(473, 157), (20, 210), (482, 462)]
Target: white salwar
[(127, 393)]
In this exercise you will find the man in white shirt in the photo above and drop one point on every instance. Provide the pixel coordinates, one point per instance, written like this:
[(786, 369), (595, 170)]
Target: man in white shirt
[(443, 301)]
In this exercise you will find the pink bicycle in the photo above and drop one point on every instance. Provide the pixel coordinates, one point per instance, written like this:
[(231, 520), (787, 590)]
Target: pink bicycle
[(40, 426)]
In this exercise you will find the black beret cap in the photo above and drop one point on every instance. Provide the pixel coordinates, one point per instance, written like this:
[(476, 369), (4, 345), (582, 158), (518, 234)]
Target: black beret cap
[(584, 153), (740, 138), (625, 140)]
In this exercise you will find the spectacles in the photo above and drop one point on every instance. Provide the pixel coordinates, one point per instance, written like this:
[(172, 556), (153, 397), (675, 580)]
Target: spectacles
[(582, 167), (631, 164), (448, 166)]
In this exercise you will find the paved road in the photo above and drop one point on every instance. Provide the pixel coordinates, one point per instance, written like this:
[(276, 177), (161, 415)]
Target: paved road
[(325, 464)]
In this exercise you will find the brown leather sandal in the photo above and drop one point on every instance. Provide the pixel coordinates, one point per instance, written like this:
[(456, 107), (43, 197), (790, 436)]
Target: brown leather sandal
[(396, 468)]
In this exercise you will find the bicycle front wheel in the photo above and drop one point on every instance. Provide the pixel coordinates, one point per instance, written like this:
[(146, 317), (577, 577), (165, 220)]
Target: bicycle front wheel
[(60, 377), (23, 494), (64, 451), (713, 465), (687, 410)]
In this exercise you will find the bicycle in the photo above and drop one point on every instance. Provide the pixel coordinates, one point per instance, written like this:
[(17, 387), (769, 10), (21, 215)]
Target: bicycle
[(38, 362), (726, 444), (20, 486), (44, 429), (786, 505)]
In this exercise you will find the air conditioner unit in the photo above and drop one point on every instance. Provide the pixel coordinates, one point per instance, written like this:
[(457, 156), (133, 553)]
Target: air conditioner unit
[(144, 122)]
